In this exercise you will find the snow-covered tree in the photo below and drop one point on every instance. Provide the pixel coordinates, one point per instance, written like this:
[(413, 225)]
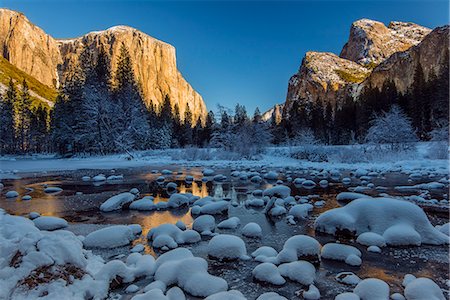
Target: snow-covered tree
[(392, 127)]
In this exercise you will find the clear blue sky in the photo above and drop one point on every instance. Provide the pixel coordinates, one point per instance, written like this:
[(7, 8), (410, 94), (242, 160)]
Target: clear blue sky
[(234, 51)]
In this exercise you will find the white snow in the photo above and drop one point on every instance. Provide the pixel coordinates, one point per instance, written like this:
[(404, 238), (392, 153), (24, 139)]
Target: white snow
[(371, 239), (11, 194), (347, 278), (399, 222), (225, 246), (145, 203), (298, 247), (230, 223), (169, 235), (50, 223), (205, 224), (348, 296), (350, 196), (312, 293), (444, 228), (109, 237), (52, 189), (372, 289), (252, 230), (117, 202), (301, 271), (265, 254), (189, 273), (228, 295), (279, 191), (271, 296), (349, 254), (423, 288), (300, 211), (268, 272)]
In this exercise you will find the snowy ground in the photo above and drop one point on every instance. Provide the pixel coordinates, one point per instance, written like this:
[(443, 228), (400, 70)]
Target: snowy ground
[(291, 206)]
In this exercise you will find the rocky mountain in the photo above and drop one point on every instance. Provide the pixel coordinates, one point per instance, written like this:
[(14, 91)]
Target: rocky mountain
[(371, 42), (50, 60), (373, 54), (403, 63), (276, 111)]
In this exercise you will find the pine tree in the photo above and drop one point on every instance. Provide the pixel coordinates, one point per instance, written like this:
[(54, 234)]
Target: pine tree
[(133, 131), (257, 116), (23, 118), (187, 132), (7, 137)]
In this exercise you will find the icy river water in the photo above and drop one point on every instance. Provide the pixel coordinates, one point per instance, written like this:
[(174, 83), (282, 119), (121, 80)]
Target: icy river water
[(79, 204)]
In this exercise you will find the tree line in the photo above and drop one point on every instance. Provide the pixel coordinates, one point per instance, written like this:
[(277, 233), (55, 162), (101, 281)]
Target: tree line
[(425, 104)]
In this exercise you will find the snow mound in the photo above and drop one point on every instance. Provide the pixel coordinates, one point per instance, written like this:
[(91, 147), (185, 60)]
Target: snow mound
[(170, 236), (423, 288), (146, 203), (348, 278), (228, 295), (178, 200), (350, 196), (300, 211), (271, 296), (312, 293), (444, 228), (308, 184), (11, 194), (372, 289), (399, 222), (50, 223), (225, 246), (212, 208), (302, 272), (265, 254), (299, 247), (117, 202), (230, 223), (189, 273), (347, 296), (252, 230), (52, 190), (208, 172), (279, 191), (268, 272), (109, 237), (205, 224), (371, 239), (349, 254)]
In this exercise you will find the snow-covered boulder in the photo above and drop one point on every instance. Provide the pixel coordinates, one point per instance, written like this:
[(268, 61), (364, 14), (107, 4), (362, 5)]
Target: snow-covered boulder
[(208, 172), (347, 296), (299, 247), (279, 191), (265, 254), (228, 295), (271, 296), (348, 278), (301, 271), (349, 254), (230, 223), (170, 236), (423, 288), (50, 223), (178, 200), (271, 175), (350, 196), (399, 222), (146, 203), (225, 246), (52, 190), (205, 224), (11, 194), (26, 198), (190, 274), (252, 230), (308, 184), (312, 293), (212, 208), (444, 228), (117, 202), (109, 237), (268, 272), (371, 239), (372, 289), (300, 211), (99, 177)]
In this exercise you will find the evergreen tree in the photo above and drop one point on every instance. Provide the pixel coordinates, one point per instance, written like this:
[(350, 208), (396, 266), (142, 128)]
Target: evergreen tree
[(187, 131), (134, 131), (7, 137), (257, 116), (23, 118)]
